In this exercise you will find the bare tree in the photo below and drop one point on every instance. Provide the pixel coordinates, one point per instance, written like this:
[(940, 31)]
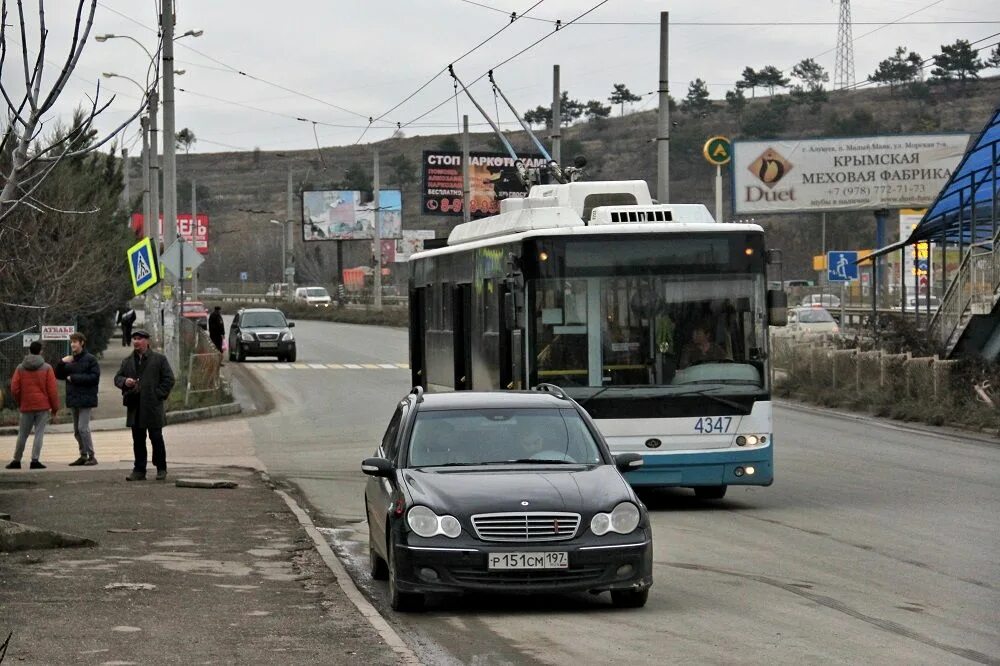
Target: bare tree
[(24, 163)]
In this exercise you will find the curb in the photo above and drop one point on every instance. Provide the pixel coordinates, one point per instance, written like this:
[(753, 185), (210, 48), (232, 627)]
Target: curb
[(952, 433), (199, 414), (370, 613)]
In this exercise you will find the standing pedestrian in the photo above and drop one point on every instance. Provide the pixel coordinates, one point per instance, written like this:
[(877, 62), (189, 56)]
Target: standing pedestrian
[(145, 380), (82, 373), (34, 390), (216, 328), (127, 319)]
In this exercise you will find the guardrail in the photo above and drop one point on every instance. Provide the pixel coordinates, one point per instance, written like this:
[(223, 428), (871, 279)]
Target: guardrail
[(353, 302)]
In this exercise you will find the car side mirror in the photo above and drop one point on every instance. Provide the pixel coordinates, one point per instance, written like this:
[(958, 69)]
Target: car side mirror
[(291, 324), (628, 462), (777, 307), (377, 467)]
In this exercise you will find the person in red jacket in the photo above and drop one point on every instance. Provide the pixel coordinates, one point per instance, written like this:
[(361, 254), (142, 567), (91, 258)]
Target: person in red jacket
[(34, 390)]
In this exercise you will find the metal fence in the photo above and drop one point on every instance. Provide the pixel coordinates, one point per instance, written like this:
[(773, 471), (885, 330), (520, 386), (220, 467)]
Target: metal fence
[(13, 351), (202, 364)]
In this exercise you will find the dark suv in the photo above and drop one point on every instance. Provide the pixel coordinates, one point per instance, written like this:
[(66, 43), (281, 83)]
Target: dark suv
[(261, 332), (510, 491)]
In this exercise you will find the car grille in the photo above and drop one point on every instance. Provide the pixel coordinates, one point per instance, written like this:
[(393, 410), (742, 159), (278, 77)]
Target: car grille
[(550, 577), (526, 527), (268, 337)]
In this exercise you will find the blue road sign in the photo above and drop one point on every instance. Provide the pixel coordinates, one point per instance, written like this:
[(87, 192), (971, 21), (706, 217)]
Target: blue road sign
[(244, 276), (841, 266), (142, 266)]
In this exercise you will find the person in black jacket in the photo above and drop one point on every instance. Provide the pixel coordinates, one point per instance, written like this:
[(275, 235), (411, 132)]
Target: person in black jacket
[(216, 328), (82, 373), (145, 379), (126, 317)]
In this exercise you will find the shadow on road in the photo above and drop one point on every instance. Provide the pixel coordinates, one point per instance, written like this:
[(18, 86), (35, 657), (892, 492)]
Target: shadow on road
[(683, 499)]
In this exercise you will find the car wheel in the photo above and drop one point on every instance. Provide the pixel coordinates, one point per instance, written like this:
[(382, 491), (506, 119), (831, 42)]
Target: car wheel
[(629, 598), (710, 492), (291, 357), (402, 602), (232, 354), (241, 354)]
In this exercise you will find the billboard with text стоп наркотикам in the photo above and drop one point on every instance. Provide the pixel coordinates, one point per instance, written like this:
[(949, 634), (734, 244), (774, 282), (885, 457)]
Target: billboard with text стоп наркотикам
[(492, 178)]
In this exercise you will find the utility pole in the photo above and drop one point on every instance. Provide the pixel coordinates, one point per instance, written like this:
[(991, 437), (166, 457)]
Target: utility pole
[(556, 116), (170, 168), (126, 199), (194, 235), (663, 117), (154, 314), (289, 259), (377, 232), (144, 123), (466, 194)]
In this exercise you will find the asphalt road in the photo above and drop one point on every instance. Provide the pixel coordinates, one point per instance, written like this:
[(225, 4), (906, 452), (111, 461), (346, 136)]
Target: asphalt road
[(876, 544)]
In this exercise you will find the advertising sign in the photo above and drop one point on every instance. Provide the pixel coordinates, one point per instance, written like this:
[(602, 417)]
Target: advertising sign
[(57, 332), (492, 178), (350, 215), (411, 243), (718, 150), (195, 232), (859, 173), (918, 255)]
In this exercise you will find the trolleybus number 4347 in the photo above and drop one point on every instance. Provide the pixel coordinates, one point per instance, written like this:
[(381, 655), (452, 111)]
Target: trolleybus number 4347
[(707, 425)]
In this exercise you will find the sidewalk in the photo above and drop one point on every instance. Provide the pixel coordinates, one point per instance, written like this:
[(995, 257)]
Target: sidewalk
[(179, 576)]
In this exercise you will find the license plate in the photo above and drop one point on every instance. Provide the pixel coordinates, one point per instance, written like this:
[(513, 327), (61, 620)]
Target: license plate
[(268, 345), (528, 561)]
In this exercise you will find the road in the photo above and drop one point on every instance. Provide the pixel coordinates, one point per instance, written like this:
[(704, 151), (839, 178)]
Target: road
[(876, 544)]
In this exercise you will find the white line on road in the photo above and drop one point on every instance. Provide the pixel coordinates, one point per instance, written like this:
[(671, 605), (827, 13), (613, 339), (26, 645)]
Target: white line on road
[(388, 634), (352, 366), (388, 366), (318, 366)]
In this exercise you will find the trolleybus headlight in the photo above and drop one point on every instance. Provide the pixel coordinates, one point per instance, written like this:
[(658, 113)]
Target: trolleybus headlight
[(752, 440)]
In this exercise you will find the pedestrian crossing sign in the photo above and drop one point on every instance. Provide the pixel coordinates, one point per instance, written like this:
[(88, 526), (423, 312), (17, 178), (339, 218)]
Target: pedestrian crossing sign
[(142, 266)]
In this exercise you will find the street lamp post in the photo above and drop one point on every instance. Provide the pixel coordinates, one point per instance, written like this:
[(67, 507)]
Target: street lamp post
[(284, 254)]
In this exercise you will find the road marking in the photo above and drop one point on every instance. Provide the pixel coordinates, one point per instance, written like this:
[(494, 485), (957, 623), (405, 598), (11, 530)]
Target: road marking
[(352, 366), (281, 366), (335, 366), (369, 366), (403, 366), (318, 366), (387, 366), (300, 366)]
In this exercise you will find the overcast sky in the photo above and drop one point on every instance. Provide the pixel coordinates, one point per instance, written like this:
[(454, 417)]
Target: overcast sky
[(367, 55)]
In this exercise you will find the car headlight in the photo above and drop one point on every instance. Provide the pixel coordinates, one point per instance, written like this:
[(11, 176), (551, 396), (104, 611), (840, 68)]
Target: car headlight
[(623, 519), (287, 336), (426, 523), (246, 337)]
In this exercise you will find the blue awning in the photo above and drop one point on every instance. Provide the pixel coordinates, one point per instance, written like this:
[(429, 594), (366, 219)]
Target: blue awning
[(967, 210)]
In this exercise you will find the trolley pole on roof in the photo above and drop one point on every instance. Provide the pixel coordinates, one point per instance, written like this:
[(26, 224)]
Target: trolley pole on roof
[(663, 119)]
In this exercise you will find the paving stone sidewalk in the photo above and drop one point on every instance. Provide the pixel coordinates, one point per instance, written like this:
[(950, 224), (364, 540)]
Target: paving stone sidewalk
[(178, 576)]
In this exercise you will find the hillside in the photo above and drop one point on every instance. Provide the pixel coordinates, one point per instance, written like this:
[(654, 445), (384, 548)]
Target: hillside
[(243, 190)]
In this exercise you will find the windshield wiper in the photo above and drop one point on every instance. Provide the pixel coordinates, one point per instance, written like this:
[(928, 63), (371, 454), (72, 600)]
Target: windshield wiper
[(743, 409), (533, 461)]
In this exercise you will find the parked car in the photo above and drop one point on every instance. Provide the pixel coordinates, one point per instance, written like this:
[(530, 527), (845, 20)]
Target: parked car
[(821, 300), (510, 491), (315, 296), (261, 332), (808, 321), (913, 302), (197, 312)]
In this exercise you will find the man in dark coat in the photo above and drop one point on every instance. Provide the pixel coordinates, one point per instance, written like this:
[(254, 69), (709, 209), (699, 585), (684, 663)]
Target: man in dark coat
[(82, 373), (216, 328), (145, 380), (126, 317)]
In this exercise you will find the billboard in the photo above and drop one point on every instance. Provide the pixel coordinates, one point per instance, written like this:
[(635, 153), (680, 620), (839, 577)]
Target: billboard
[(350, 215), (492, 177), (858, 173), (411, 243), (192, 232)]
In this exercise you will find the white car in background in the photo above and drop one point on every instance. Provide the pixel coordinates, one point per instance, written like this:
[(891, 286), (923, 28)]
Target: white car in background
[(807, 322), (821, 300), (315, 296)]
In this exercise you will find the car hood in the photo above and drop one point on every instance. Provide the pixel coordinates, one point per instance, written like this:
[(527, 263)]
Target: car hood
[(468, 491), (265, 330)]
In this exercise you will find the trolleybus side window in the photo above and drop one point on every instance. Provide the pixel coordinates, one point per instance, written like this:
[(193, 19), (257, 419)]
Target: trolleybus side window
[(560, 331)]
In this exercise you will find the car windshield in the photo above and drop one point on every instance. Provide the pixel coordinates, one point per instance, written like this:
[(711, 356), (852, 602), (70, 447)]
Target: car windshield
[(815, 316), (194, 306), (272, 319), (317, 292), (497, 436)]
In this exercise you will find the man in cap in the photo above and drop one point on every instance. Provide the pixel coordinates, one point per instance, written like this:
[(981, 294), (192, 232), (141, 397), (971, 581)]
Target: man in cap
[(145, 380)]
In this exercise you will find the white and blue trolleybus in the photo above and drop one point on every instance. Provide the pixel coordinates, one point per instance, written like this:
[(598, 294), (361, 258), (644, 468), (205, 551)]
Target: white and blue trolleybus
[(654, 317)]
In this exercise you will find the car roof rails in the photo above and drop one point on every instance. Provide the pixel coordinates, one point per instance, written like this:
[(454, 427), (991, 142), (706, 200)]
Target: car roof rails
[(419, 392), (553, 389)]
